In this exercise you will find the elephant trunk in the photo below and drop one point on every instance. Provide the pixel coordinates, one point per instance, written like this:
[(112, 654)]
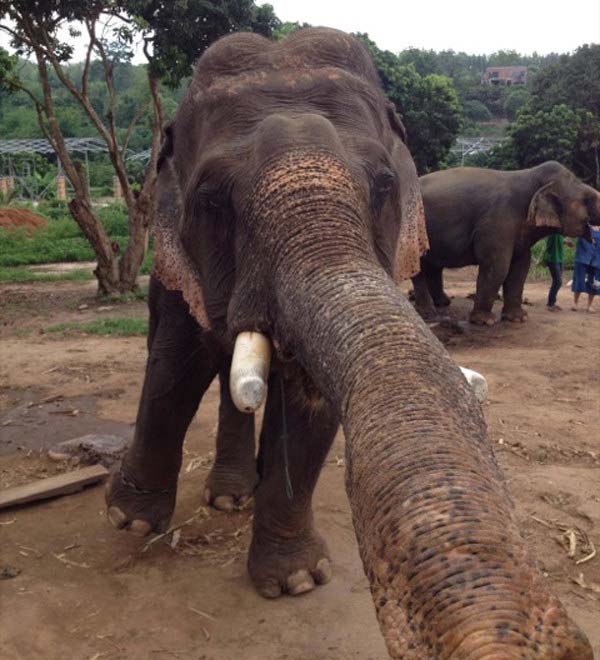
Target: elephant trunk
[(448, 570)]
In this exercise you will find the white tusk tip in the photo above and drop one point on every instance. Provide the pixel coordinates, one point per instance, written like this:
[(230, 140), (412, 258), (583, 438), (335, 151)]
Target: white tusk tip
[(250, 393), (477, 382)]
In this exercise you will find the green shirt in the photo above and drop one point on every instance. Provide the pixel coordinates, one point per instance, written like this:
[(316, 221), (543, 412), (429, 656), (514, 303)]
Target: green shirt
[(554, 249)]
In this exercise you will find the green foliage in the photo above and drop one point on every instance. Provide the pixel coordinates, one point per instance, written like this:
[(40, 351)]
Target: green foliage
[(62, 240), (428, 105), (476, 111), (515, 99), (179, 32), (112, 327), (540, 136)]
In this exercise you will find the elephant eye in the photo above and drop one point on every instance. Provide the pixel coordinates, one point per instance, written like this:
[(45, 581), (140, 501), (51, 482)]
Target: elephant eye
[(209, 198), (383, 181)]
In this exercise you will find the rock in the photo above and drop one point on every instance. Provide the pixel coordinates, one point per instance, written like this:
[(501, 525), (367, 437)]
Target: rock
[(477, 382), (8, 572), (90, 449)]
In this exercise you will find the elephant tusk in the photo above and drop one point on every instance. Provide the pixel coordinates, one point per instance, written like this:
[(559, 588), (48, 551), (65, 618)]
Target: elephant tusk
[(250, 371), (477, 382)]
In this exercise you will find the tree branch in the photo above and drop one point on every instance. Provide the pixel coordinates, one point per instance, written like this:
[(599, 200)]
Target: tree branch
[(86, 69), (131, 126)]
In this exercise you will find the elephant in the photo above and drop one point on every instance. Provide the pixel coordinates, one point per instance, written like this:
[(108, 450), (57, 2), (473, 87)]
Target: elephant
[(287, 211), (492, 219)]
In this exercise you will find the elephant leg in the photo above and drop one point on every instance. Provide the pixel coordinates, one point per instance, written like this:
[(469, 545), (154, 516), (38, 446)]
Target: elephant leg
[(233, 476), (182, 362), (491, 275), (435, 284), (423, 302), (287, 554), (512, 309)]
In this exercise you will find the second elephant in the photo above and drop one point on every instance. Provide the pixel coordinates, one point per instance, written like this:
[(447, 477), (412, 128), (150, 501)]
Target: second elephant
[(492, 219)]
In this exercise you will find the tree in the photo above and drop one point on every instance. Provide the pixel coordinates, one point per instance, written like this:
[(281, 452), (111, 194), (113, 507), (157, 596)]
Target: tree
[(424, 61), (515, 99), (476, 111), (574, 80), (173, 33), (540, 136), (428, 106)]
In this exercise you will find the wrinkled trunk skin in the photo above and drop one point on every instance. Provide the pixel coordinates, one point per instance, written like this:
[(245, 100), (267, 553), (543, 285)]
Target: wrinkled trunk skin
[(448, 570)]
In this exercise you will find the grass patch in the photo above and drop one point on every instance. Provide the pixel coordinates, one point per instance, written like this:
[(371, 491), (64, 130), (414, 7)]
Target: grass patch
[(22, 275), (115, 327), (62, 240), (140, 294)]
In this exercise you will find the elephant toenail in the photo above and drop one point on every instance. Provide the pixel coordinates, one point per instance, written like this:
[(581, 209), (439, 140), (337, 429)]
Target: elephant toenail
[(116, 517), (223, 503), (140, 528), (300, 582), (270, 590), (323, 571), (207, 495)]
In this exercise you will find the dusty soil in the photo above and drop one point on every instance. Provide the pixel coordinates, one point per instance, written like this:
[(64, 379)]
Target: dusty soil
[(12, 218), (86, 591)]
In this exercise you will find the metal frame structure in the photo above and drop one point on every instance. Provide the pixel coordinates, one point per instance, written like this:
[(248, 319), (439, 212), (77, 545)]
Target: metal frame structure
[(466, 146), (84, 145)]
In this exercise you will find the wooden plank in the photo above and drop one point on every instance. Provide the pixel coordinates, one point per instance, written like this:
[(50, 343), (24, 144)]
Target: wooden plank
[(62, 484)]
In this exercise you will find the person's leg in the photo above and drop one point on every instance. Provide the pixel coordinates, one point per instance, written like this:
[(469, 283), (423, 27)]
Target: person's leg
[(578, 284), (589, 305), (589, 282), (555, 273)]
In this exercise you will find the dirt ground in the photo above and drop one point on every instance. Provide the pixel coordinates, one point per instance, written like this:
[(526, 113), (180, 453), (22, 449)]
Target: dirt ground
[(85, 591), (13, 218)]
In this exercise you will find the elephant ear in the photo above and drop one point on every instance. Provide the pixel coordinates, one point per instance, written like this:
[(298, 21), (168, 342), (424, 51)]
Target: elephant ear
[(172, 266), (544, 208), (411, 238)]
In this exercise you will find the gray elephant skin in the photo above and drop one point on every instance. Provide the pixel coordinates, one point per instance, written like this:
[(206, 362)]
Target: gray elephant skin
[(288, 204), (492, 219)]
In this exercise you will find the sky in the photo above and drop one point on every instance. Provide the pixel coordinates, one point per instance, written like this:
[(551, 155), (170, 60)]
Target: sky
[(473, 26)]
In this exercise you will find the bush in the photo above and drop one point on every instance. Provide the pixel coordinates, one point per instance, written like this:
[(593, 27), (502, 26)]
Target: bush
[(476, 111), (62, 240)]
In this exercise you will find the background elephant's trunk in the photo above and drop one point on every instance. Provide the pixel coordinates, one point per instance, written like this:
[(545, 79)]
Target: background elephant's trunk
[(447, 567)]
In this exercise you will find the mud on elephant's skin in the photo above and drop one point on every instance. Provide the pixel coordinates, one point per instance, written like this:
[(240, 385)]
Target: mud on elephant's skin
[(288, 203), (492, 219)]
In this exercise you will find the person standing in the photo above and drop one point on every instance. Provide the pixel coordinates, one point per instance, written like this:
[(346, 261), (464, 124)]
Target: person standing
[(553, 258), (586, 269)]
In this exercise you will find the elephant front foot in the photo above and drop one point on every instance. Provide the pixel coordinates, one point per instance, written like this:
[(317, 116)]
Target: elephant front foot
[(136, 509), (228, 488), (289, 565), (514, 315), (480, 317), (442, 300)]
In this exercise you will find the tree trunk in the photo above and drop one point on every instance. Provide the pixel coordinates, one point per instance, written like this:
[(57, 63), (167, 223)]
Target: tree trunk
[(140, 220), (107, 270)]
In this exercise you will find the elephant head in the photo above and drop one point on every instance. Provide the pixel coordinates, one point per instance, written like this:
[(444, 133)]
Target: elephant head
[(562, 202), (288, 204)]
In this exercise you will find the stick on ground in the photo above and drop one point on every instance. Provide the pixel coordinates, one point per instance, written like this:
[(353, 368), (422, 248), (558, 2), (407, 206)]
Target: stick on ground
[(63, 484)]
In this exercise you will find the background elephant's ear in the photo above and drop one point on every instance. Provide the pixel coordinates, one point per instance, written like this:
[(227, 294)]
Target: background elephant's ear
[(412, 242), (395, 121), (411, 237), (544, 208), (172, 265)]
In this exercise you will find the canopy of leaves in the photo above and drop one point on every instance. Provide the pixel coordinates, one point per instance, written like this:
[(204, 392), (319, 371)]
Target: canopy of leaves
[(428, 105), (177, 33), (559, 117)]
